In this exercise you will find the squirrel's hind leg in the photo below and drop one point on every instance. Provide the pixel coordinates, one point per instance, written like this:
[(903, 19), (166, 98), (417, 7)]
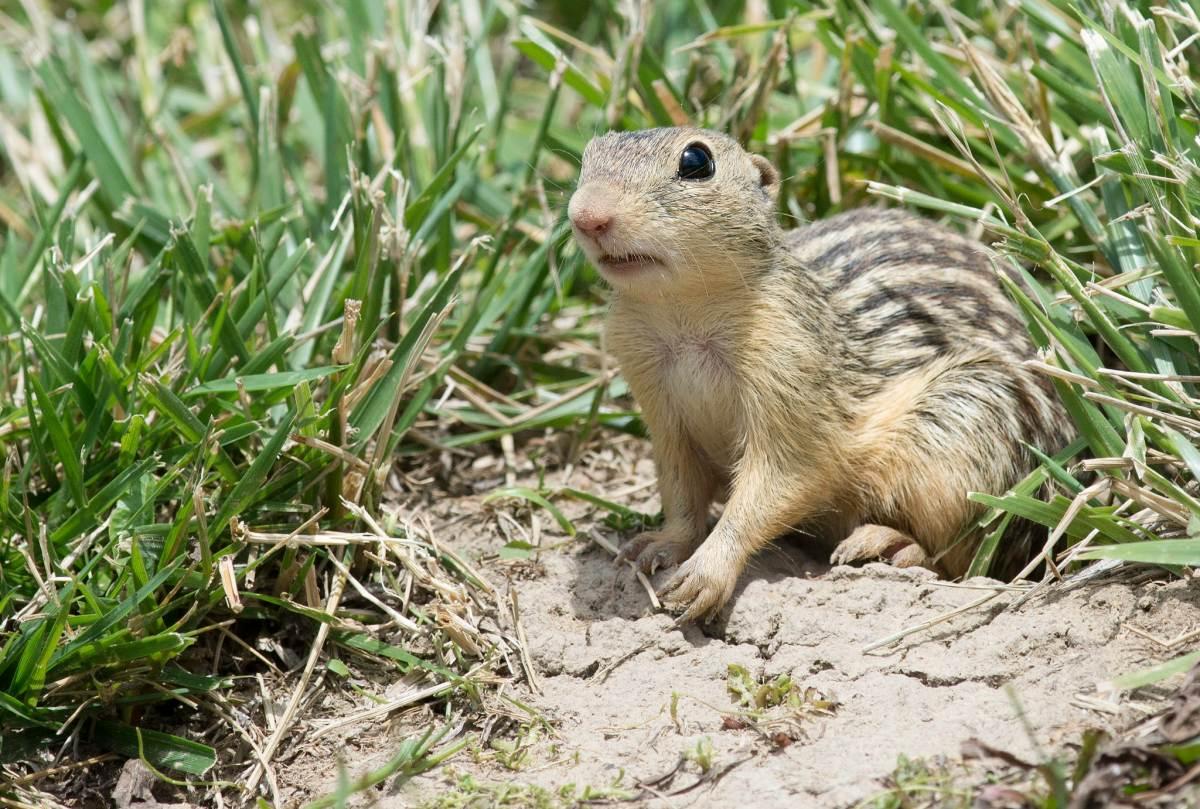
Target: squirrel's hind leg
[(871, 542)]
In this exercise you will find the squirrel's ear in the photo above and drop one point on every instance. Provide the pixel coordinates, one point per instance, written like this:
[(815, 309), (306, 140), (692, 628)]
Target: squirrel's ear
[(768, 177)]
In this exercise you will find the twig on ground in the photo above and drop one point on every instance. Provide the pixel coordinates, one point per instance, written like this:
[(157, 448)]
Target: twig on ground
[(314, 655), (523, 643), (934, 621), (603, 542), (412, 696)]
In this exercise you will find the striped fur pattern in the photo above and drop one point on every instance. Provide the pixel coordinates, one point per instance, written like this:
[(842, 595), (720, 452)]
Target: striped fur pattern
[(852, 379), (925, 311)]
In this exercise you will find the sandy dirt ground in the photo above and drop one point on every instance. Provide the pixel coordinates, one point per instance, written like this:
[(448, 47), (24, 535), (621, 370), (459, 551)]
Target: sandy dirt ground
[(608, 668)]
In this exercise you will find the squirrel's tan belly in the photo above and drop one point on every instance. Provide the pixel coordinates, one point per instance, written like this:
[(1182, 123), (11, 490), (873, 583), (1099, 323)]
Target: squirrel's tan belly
[(682, 372), (700, 387)]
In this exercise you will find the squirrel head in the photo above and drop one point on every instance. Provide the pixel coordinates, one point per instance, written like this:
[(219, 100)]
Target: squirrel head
[(661, 212)]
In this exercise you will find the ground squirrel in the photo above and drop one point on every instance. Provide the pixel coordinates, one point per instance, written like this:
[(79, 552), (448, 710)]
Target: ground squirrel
[(852, 379)]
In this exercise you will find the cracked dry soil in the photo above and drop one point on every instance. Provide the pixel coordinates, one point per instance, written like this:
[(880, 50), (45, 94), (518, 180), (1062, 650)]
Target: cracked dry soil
[(608, 667)]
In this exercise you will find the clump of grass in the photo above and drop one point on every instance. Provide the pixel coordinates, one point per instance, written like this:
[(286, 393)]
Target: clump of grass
[(1066, 134), (242, 252), (1091, 772), (924, 783), (470, 793), (414, 756)]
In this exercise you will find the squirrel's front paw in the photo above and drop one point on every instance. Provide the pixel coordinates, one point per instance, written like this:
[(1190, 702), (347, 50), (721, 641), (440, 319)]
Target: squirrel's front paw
[(654, 549), (701, 586)]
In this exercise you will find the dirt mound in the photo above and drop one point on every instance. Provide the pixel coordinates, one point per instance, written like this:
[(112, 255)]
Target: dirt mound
[(628, 695)]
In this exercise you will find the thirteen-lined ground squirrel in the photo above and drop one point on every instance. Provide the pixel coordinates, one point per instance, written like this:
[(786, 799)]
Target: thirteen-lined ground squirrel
[(852, 379)]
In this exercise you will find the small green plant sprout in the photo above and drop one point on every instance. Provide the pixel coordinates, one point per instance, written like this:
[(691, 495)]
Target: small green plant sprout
[(414, 756), (470, 793), (776, 708), (513, 754), (918, 783), (780, 692), (701, 754)]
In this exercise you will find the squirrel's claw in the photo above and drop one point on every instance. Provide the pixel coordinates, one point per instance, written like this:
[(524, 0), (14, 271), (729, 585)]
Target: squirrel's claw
[(652, 550), (698, 590)]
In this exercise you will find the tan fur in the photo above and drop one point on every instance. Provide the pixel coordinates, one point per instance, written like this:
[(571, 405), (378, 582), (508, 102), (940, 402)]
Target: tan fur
[(881, 439), (836, 380)]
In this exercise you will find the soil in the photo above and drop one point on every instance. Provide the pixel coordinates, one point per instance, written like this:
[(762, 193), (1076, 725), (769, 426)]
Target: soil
[(627, 695)]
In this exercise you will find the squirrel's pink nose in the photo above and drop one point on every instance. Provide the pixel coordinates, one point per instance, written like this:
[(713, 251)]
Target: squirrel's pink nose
[(593, 209), (591, 219)]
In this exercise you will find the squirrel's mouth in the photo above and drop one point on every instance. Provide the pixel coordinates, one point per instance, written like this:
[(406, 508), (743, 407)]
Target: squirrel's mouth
[(627, 262)]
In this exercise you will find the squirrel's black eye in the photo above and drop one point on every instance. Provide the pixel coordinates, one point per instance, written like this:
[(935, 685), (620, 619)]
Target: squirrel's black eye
[(696, 163)]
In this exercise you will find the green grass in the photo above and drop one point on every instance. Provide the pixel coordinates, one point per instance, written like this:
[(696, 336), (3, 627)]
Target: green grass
[(925, 784), (241, 255), (414, 756), (243, 247), (468, 793)]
